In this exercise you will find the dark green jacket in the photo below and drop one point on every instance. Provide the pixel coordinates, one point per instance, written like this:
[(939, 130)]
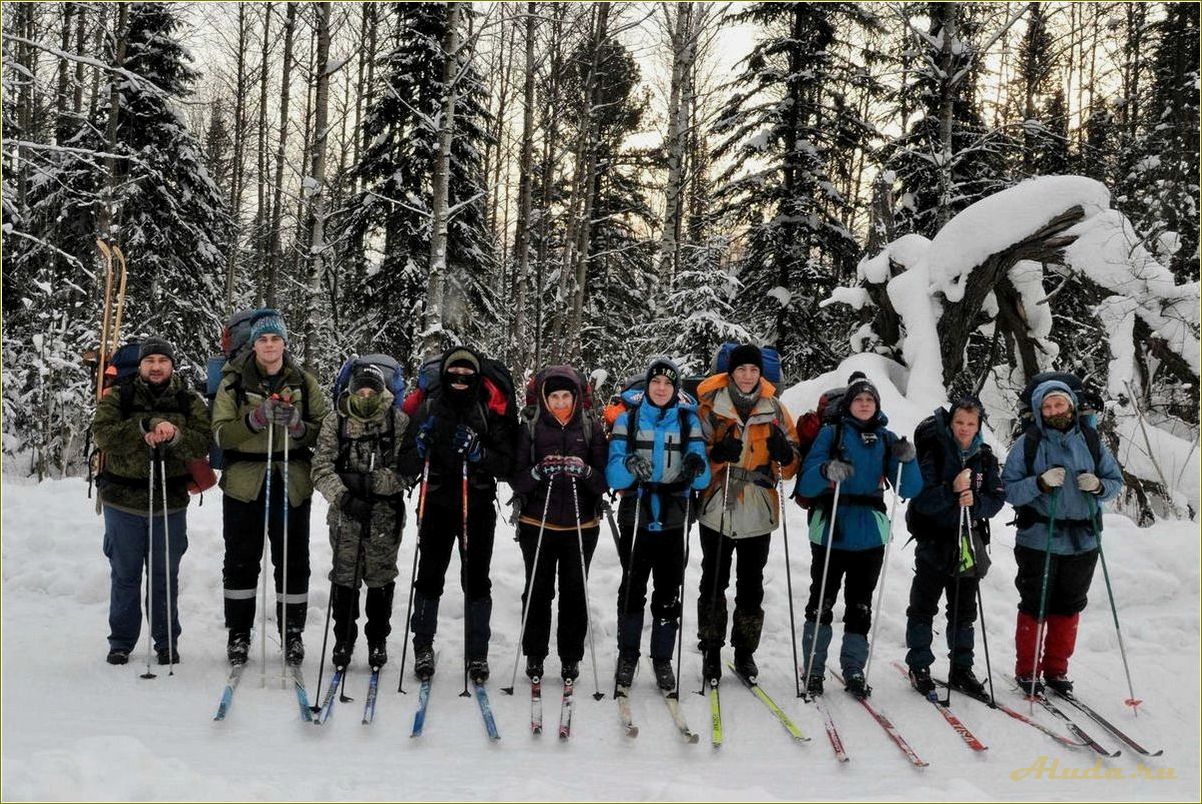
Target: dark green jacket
[(123, 483), (242, 390)]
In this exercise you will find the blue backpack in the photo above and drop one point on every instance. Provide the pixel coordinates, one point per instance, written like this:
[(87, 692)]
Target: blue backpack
[(721, 361), (394, 375)]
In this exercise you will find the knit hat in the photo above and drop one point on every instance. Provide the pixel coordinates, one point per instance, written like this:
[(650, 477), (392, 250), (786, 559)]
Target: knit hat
[(558, 383), (1066, 397), (663, 367), (269, 325), (367, 376), (463, 358), (860, 385), (156, 346), (743, 355)]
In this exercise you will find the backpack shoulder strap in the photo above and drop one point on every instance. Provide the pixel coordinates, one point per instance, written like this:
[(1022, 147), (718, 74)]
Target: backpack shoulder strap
[(1093, 440), (632, 427), (1031, 438), (125, 395)]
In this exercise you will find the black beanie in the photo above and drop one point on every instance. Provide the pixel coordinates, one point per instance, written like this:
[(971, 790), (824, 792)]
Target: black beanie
[(745, 354), (557, 383), (859, 386), (367, 376), (156, 346), (663, 367)]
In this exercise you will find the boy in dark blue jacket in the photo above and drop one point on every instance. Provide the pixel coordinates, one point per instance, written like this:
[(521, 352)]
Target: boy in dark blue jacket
[(656, 459), (860, 455), (959, 472)]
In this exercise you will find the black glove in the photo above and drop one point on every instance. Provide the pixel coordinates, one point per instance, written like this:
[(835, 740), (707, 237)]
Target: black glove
[(357, 483), (639, 466), (693, 466), (354, 507), (728, 450), (467, 444), (779, 448)]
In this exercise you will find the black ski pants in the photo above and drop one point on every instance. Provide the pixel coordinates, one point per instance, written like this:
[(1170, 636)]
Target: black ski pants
[(558, 556), (717, 556)]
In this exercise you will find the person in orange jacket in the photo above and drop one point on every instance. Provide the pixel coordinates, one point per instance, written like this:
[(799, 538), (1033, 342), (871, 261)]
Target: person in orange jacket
[(752, 445)]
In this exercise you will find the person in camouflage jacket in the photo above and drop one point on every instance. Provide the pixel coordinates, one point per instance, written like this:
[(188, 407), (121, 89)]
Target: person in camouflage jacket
[(154, 413), (265, 397), (354, 468)]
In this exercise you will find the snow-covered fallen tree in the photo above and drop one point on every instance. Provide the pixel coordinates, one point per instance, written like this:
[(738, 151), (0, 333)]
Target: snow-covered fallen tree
[(973, 310)]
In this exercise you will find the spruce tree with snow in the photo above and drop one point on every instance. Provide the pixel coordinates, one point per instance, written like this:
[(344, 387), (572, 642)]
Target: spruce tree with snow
[(1167, 155), (1044, 116), (783, 130), (385, 290), (947, 158), (167, 215)]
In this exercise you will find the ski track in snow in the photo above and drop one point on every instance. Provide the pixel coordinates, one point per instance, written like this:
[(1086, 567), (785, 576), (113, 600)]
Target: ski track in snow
[(77, 728)]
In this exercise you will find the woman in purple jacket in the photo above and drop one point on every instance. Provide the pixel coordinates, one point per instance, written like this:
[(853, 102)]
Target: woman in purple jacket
[(559, 455)]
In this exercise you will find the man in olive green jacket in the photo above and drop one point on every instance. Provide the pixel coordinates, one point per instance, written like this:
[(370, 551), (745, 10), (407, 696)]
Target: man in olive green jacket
[(151, 418), (266, 399)]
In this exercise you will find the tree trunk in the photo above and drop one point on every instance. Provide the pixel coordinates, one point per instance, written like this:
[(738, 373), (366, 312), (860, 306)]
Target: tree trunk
[(683, 49), (433, 335), (550, 143), (80, 43), (577, 258), (318, 162), (517, 335), (947, 94), (237, 163), (62, 103), (274, 255), (105, 216), (263, 211)]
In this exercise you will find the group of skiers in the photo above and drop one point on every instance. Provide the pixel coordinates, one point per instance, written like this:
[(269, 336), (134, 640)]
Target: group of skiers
[(720, 461)]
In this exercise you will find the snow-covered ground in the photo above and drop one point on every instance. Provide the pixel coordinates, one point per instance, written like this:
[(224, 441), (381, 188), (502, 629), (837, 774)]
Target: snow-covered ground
[(77, 729)]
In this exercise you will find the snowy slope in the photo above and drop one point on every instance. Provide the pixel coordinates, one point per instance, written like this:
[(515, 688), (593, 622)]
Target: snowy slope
[(76, 728)]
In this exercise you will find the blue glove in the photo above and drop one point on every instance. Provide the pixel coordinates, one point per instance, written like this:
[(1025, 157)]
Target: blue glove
[(425, 434), (467, 444)]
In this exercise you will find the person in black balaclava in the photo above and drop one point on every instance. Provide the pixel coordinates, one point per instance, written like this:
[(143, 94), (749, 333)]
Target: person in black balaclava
[(465, 421)]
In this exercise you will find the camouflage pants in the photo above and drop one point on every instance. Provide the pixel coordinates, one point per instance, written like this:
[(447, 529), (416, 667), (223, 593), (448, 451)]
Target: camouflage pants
[(366, 555)]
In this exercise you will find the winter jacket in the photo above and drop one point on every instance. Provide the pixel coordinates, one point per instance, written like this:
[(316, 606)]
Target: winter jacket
[(1074, 530), (123, 483), (861, 523), (657, 436), (933, 516), (552, 438), (243, 388), (348, 445), (752, 505), (498, 434)]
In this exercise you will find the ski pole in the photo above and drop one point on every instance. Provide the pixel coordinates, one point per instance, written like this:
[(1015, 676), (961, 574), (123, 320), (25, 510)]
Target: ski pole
[(266, 547), (717, 566), (166, 564), (684, 567), (955, 620), (149, 564), (880, 590), (417, 546), (780, 497), (1131, 701), (826, 567), (466, 580), (628, 569), (984, 630), (588, 616), (1043, 594), (538, 546), (284, 576), (325, 639)]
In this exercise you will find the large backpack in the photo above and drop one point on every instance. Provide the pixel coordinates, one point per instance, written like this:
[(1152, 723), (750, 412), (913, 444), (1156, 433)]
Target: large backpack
[(637, 382), (529, 414), (826, 411), (235, 341), (496, 381), (394, 375), (721, 361)]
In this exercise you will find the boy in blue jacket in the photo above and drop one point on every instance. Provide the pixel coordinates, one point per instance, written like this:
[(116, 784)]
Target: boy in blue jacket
[(862, 457), (1058, 505), (656, 459)]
